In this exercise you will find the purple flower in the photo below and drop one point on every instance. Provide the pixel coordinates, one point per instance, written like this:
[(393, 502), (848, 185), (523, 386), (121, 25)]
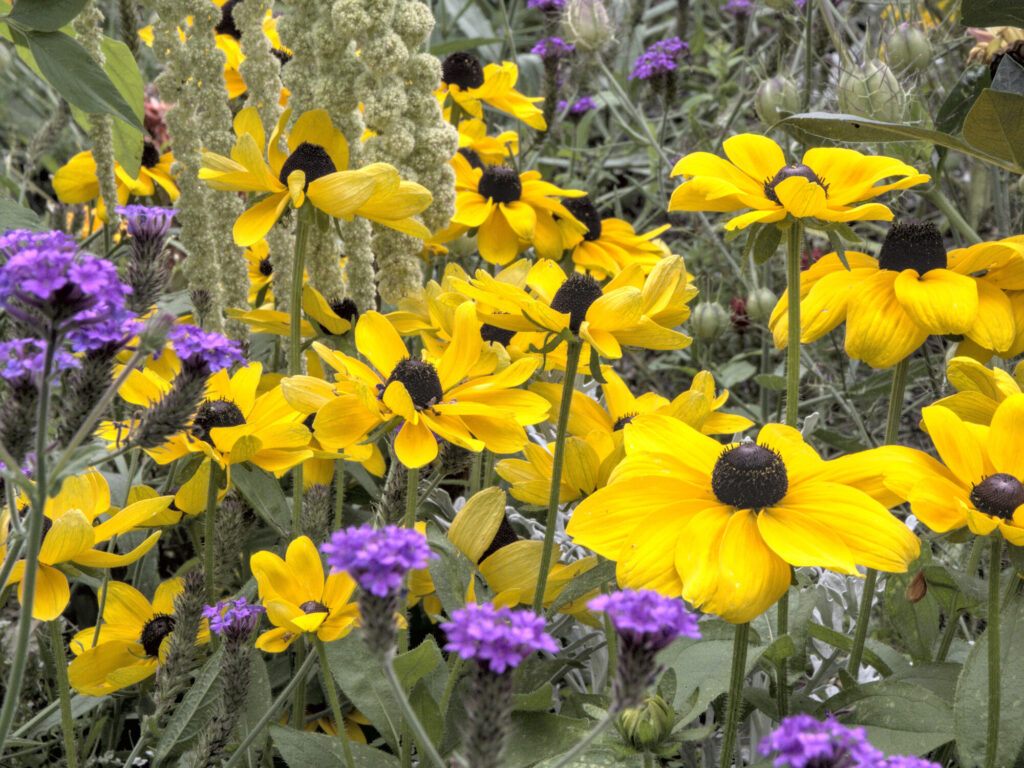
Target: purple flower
[(738, 7), (646, 617), (552, 48), (23, 360), (145, 222), (194, 346), (802, 741), (580, 107), (908, 762), (548, 6), (233, 616), (377, 559), (15, 240), (498, 638), (660, 59)]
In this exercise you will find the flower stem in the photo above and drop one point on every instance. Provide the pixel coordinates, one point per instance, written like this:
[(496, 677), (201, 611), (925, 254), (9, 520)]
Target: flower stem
[(412, 489), (794, 236), (60, 662), (572, 361), (339, 493), (782, 678), (602, 725), (736, 677), (950, 211), (426, 746), (209, 518), (995, 565), (899, 388), (332, 697), (295, 306)]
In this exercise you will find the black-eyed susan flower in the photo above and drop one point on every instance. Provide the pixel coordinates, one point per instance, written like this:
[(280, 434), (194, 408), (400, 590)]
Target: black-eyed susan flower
[(76, 181), (480, 149), (321, 317), (299, 598), (720, 525), (893, 303), (510, 211), (469, 83), (585, 468), (316, 167), (828, 184), (979, 390), (73, 531), (451, 397), (132, 640)]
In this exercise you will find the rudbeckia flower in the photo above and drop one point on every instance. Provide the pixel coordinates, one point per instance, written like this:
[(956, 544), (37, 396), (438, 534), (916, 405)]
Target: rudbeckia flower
[(510, 210), (468, 83), (132, 639), (73, 533), (720, 525), (76, 181), (299, 599), (322, 318), (892, 304), (480, 149), (316, 167), (978, 483), (829, 184), (979, 390), (453, 397), (586, 465)]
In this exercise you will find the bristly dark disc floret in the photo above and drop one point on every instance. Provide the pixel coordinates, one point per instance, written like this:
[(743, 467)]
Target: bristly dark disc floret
[(150, 155), (153, 633), (226, 25), (311, 159), (213, 414), (789, 172), (749, 476), (472, 157), (914, 245), (493, 333), (266, 267), (998, 495), (314, 606), (420, 380), (622, 421), (346, 309), (575, 296), (500, 183), (583, 209), (463, 69), (504, 536)]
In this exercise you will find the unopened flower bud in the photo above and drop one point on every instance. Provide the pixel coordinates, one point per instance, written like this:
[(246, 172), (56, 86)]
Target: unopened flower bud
[(645, 727), (917, 588), (589, 25), (907, 49), (153, 336), (709, 321), (872, 90), (760, 303), (774, 98)]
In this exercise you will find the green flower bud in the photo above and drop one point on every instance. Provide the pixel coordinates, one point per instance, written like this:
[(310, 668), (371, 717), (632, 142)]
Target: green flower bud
[(588, 24), (774, 97), (154, 335), (760, 303), (907, 49), (709, 321), (646, 727), (872, 90)]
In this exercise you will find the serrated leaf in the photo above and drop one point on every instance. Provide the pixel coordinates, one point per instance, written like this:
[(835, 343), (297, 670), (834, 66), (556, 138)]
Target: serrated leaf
[(301, 749), (995, 125), (192, 713), (45, 15)]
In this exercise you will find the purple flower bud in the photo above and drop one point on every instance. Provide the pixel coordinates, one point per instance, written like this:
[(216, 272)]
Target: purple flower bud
[(146, 223), (552, 48), (498, 639), (233, 616)]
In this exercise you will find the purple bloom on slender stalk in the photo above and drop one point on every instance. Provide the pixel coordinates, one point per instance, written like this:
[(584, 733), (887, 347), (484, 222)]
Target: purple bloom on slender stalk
[(23, 360), (659, 59), (738, 7), (496, 638), (194, 346), (233, 616), (145, 222), (803, 742), (579, 107), (377, 559), (547, 6), (552, 48)]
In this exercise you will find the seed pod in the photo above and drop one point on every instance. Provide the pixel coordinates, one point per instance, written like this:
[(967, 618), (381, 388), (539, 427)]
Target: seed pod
[(589, 25), (710, 320), (872, 90), (645, 727), (760, 303), (775, 97), (907, 49)]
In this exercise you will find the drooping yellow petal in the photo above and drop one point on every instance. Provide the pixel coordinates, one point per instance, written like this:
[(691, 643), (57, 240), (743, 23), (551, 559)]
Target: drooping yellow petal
[(1006, 437), (939, 301), (415, 445), (71, 535), (379, 341), (958, 446), (475, 525), (253, 225), (52, 593), (878, 329)]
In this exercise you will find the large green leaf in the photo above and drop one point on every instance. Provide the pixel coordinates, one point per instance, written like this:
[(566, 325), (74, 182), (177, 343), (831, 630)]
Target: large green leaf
[(995, 125), (264, 493), (992, 13), (125, 75), (961, 97), (192, 713), (538, 735), (14, 216), (45, 15), (970, 707), (917, 623), (301, 749)]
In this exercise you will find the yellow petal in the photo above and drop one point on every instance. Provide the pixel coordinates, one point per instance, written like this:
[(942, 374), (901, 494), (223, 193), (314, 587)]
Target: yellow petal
[(939, 301), (52, 593), (379, 341), (415, 445), (958, 446), (800, 197), (1005, 443), (253, 225), (70, 535), (476, 524)]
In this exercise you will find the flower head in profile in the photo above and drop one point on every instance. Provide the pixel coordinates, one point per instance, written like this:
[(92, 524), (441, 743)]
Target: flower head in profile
[(496, 638), (828, 184), (659, 59), (979, 390), (77, 182), (469, 83)]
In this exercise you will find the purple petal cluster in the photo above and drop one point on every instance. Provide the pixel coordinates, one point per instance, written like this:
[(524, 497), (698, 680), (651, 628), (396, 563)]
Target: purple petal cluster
[(499, 638), (194, 346), (15, 240), (646, 617), (378, 560), (802, 742), (548, 6), (580, 107), (660, 59), (145, 222), (552, 48), (23, 360), (233, 616), (738, 7)]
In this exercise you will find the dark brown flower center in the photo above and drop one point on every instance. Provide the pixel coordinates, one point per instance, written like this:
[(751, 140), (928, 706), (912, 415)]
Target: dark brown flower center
[(749, 476), (915, 245), (463, 69), (500, 183), (575, 296), (154, 631), (226, 25), (311, 159), (266, 268), (998, 495), (472, 157), (281, 56), (583, 209), (789, 172), (215, 413), (314, 606), (420, 380), (493, 333), (150, 155), (345, 309), (504, 536)]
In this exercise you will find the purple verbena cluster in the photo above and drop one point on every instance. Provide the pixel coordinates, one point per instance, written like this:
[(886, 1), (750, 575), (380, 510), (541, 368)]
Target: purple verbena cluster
[(547, 6), (659, 59), (738, 7), (15, 240), (801, 741), (378, 559), (579, 107), (499, 638), (23, 360), (145, 222), (552, 48), (233, 616), (194, 346), (647, 618)]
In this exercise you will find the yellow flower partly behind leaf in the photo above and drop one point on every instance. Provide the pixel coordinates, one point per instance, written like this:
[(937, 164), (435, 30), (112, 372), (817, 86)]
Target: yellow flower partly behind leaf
[(979, 390), (468, 83), (76, 181)]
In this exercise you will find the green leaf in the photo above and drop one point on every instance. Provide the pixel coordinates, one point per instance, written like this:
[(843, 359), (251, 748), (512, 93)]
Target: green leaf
[(845, 643), (125, 75), (68, 67), (917, 623), (45, 15), (766, 244), (301, 749), (451, 46), (192, 713), (992, 13), (1009, 76), (970, 706), (535, 701), (264, 493), (14, 216), (995, 125), (536, 736), (769, 381), (960, 99), (602, 573), (900, 717)]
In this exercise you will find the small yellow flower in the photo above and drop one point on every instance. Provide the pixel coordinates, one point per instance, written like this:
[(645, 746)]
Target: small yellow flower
[(979, 390), (76, 181), (475, 144), (463, 78)]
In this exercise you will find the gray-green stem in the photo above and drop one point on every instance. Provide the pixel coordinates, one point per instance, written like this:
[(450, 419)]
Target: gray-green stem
[(60, 663), (209, 518), (426, 746), (995, 565), (332, 696), (732, 704), (295, 307), (572, 361), (793, 237)]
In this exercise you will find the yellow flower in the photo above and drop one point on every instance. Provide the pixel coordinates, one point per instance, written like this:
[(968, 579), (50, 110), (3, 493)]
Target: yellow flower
[(979, 390), (585, 468), (73, 533), (511, 211), (322, 319), (892, 304), (1006, 273), (76, 181), (299, 599), (261, 271), (720, 525), (978, 482), (316, 167), (476, 145), (132, 639), (827, 184), (468, 84)]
